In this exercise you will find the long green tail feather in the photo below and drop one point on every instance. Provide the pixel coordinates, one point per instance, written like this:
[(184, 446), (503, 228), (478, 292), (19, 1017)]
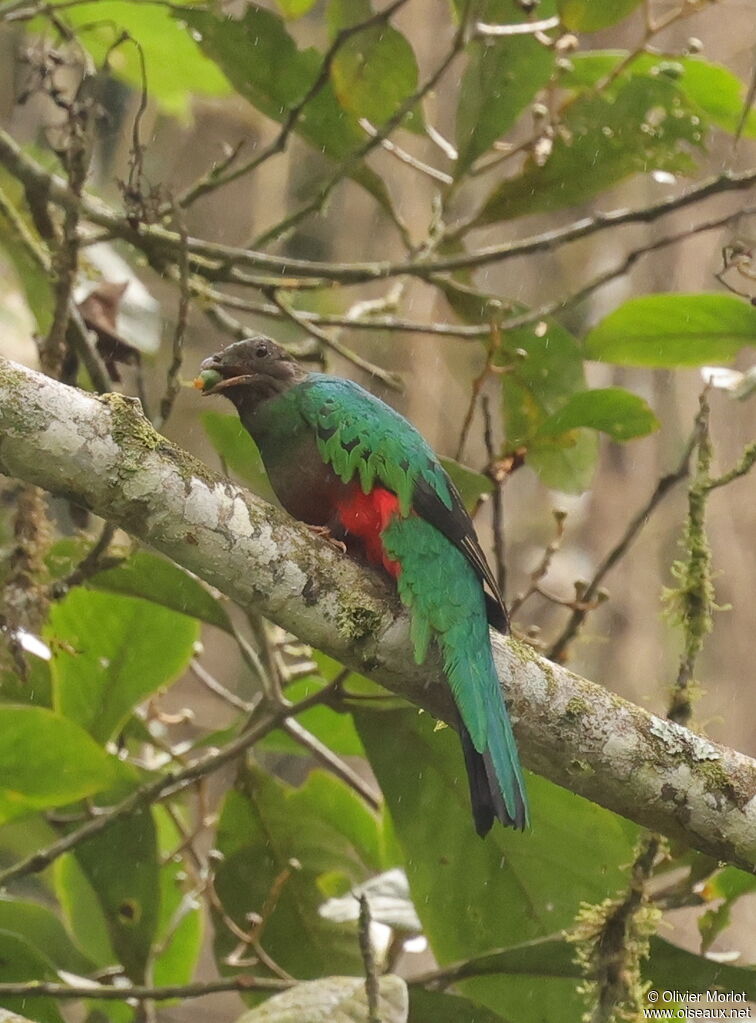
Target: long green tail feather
[(446, 599)]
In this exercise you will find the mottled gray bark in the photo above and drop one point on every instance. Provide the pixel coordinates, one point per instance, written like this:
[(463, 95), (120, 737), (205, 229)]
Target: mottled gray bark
[(103, 454)]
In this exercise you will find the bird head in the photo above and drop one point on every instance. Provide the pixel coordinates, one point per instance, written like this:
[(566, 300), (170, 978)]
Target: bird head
[(256, 365)]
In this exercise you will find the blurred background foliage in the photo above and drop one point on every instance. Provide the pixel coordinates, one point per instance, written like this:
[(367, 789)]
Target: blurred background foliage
[(524, 225)]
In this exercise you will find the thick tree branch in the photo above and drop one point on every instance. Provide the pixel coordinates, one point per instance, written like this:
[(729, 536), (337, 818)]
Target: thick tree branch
[(100, 452)]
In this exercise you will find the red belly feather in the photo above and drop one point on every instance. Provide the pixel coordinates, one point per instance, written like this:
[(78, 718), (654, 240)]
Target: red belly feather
[(365, 516)]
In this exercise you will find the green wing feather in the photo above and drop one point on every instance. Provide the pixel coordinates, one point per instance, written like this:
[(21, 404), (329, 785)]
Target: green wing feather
[(358, 433)]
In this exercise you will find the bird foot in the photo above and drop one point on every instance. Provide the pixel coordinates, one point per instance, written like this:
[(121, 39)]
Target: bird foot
[(325, 533)]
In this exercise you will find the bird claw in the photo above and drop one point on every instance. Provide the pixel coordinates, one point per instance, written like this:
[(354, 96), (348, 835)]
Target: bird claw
[(325, 533)]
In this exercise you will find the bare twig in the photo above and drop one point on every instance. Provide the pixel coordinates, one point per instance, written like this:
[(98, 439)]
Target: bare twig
[(390, 379), (334, 763), (372, 987), (140, 993), (173, 381), (634, 527)]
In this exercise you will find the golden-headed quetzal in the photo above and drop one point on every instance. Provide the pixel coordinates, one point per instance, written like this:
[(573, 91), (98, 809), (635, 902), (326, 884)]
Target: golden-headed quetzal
[(340, 458)]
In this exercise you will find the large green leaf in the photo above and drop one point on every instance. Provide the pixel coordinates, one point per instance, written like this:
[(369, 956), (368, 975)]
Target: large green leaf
[(265, 825), (543, 374), (712, 88), (644, 125), (264, 65), (152, 578), (502, 76), (179, 928), (673, 968), (111, 652), (295, 8), (674, 330), (473, 486), (591, 15), (172, 82), (14, 234), (438, 1007), (238, 451), (43, 930), (473, 896), (121, 864), (20, 962), (333, 1000), (47, 761), (375, 70), (83, 911), (612, 410)]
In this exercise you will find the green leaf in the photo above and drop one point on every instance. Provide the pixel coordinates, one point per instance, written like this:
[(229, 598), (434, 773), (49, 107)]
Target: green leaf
[(472, 486), (672, 968), (35, 283), (252, 52), (612, 410), (729, 885), (121, 864), (435, 1007), (160, 581), (172, 82), (82, 911), (179, 928), (46, 761), (293, 9), (336, 999), (20, 962), (472, 895), (544, 369), (591, 15), (111, 652), (673, 330), (374, 71), (501, 78), (643, 126), (264, 826), (238, 451), (41, 928), (713, 89)]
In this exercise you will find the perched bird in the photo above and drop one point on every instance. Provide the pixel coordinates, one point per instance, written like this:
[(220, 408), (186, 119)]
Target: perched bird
[(340, 459)]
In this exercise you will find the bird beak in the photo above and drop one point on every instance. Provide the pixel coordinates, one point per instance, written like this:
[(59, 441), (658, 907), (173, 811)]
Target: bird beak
[(213, 365)]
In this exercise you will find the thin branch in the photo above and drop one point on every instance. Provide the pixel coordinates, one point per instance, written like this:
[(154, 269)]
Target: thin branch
[(95, 560), (218, 689), (334, 763), (372, 987), (485, 31), (619, 270), (407, 158), (154, 240), (633, 529), (390, 379), (744, 465), (173, 380), (140, 993)]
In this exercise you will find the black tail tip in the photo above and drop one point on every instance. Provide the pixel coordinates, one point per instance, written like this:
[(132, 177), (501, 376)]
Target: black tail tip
[(486, 798)]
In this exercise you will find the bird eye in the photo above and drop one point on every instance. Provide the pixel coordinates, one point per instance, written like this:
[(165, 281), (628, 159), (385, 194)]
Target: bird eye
[(261, 351)]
